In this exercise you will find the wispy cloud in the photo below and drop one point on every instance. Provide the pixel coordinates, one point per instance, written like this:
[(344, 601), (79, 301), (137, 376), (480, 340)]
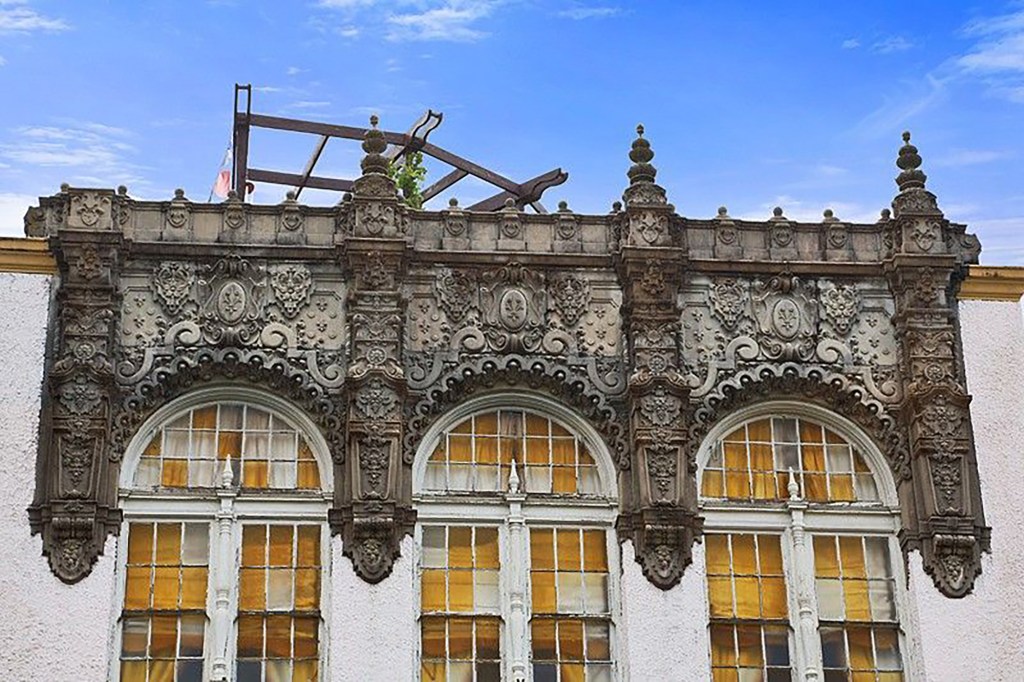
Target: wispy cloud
[(895, 112), (997, 55), (891, 44), (293, 71), (969, 157), (453, 20), (308, 104), (580, 12), (407, 20), (267, 88), (16, 17), (95, 148), (850, 44)]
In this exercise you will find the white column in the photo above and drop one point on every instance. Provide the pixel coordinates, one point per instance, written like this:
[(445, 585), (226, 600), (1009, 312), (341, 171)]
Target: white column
[(518, 574), (223, 567), (808, 646)]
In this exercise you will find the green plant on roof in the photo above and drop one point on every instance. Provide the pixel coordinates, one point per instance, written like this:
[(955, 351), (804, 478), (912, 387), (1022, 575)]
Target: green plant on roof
[(409, 174)]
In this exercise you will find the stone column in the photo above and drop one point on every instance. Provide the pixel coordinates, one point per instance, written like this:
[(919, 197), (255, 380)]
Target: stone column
[(373, 509), (659, 493), (939, 490), (76, 495)]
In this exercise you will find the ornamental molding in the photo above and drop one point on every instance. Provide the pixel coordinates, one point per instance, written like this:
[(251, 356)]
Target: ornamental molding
[(376, 319)]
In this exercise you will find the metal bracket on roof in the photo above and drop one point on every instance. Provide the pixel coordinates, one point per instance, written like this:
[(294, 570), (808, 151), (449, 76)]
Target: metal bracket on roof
[(400, 144)]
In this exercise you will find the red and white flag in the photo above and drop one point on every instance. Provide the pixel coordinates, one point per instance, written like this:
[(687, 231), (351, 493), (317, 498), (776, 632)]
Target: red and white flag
[(222, 184)]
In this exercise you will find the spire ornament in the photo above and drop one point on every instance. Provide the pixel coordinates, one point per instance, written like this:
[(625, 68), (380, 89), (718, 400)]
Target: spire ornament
[(909, 162), (374, 145), (642, 188)]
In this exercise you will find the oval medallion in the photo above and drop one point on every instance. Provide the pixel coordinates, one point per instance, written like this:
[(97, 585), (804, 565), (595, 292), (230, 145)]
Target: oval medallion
[(512, 310), (786, 318), (231, 302)]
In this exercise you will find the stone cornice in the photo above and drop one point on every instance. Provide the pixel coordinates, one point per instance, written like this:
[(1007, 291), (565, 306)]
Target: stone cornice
[(984, 283)]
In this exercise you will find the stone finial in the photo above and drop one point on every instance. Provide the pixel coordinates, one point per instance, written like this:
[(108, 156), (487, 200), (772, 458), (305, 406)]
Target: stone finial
[(374, 145), (616, 206), (777, 215), (885, 216), (453, 203), (641, 155), (723, 213), (563, 206), (909, 162), (829, 216)]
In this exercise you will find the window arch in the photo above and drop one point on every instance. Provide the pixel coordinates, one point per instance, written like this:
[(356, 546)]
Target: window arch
[(801, 552), (517, 571), (225, 495)]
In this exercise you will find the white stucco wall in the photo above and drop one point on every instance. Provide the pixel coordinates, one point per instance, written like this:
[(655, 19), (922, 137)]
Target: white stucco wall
[(981, 637), (52, 631), (666, 635), (373, 627)]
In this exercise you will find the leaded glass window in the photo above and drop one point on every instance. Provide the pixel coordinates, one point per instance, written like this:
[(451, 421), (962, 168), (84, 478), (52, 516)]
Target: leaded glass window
[(216, 583), (527, 585), (796, 513)]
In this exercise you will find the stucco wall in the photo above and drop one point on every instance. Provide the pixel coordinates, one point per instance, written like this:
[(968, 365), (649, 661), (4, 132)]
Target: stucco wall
[(981, 637), (666, 636), (373, 629), (52, 631)]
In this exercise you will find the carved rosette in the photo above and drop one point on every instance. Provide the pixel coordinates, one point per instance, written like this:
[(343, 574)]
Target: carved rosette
[(77, 506), (943, 517)]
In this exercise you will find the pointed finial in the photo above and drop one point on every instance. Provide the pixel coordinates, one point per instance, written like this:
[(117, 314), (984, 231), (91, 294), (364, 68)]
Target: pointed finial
[(641, 155), (909, 162), (513, 478), (374, 145), (793, 488), (227, 475)]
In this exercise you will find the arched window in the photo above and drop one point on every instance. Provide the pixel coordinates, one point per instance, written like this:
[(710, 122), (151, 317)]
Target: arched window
[(801, 551), (517, 573), (225, 497)]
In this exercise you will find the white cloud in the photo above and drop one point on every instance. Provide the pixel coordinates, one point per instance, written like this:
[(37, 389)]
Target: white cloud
[(348, 31), (579, 13), (2, 60), (345, 4), (892, 44), (12, 213), (15, 17), (895, 112), (266, 88), (809, 212), (969, 157), (306, 104), (452, 21), (850, 44), (96, 148), (293, 71), (997, 56)]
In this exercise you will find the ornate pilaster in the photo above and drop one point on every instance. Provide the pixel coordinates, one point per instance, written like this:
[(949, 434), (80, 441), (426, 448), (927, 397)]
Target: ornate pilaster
[(373, 510), (76, 499), (940, 493), (659, 507)]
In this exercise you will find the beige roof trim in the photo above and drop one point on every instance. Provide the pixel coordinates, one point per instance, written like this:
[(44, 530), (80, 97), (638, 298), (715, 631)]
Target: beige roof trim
[(30, 256), (987, 283)]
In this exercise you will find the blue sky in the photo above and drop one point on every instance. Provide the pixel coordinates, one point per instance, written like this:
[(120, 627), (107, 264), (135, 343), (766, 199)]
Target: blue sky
[(747, 104)]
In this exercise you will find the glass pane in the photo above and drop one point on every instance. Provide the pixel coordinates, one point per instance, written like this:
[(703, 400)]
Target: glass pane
[(830, 598), (568, 550), (196, 546), (543, 639), (486, 544), (570, 592), (432, 590), (192, 630), (460, 590), (570, 640), (434, 547), (717, 554), (543, 589), (134, 636), (542, 555), (460, 547), (598, 642), (486, 590)]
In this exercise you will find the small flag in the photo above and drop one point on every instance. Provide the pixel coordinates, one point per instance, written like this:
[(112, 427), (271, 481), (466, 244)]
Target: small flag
[(222, 184)]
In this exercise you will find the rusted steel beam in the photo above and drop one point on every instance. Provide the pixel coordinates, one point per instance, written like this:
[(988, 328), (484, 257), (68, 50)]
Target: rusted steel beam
[(528, 192), (313, 181), (443, 184), (418, 133), (313, 158), (317, 128)]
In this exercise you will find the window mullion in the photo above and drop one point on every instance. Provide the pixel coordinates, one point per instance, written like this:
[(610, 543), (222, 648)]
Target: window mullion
[(804, 618), (225, 575), (517, 576)]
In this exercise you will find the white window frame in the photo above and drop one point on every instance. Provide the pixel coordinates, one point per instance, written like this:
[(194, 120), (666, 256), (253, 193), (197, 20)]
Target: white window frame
[(514, 514), (796, 520), (226, 509)]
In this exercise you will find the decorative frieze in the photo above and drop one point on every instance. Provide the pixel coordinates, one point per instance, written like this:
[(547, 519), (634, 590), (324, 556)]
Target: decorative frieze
[(651, 326)]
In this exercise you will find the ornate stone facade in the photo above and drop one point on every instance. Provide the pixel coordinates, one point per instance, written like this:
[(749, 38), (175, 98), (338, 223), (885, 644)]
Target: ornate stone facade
[(376, 319)]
